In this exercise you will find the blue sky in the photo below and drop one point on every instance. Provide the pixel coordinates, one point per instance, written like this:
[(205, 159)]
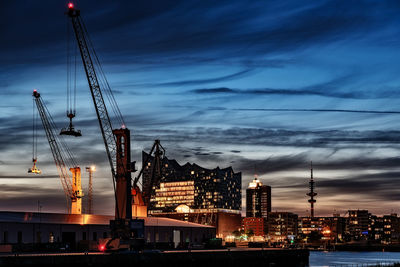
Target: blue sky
[(203, 76)]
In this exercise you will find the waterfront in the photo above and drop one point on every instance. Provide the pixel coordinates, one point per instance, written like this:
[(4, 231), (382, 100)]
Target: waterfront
[(337, 258)]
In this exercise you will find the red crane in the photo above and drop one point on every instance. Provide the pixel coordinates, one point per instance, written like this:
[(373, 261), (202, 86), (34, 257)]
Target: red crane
[(116, 141)]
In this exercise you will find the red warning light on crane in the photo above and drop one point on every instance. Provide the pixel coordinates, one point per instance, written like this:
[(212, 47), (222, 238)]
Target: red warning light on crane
[(70, 5)]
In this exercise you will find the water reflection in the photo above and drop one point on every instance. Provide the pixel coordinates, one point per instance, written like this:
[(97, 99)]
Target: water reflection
[(337, 258)]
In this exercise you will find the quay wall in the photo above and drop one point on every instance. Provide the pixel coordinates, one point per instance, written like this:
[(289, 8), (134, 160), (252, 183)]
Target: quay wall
[(296, 258)]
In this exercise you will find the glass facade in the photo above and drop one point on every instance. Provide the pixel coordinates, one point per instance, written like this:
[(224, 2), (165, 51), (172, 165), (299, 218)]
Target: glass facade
[(194, 186), (258, 199)]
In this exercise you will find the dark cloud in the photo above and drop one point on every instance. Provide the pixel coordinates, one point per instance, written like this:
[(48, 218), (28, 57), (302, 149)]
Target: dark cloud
[(225, 78), (225, 29), (301, 161), (31, 176), (381, 185), (331, 139), (320, 110), (214, 90), (153, 41), (332, 88)]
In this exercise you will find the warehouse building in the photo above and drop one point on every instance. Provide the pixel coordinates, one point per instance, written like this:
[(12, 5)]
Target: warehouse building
[(73, 229)]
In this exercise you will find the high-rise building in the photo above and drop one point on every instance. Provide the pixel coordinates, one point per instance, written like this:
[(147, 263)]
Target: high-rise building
[(258, 199), (358, 223), (195, 194), (194, 186)]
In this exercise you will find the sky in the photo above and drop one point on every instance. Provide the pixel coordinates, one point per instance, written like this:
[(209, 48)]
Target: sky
[(262, 86)]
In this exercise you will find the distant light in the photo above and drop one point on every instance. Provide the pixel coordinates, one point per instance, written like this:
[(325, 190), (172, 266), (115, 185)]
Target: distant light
[(34, 90), (93, 168), (102, 247), (70, 5)]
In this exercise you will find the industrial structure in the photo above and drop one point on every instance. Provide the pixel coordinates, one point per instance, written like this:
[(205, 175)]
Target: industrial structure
[(63, 158), (121, 231), (312, 194), (90, 170), (152, 165), (125, 230)]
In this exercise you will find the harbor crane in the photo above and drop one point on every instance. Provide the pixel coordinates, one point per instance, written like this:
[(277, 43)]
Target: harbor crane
[(116, 140), (153, 165), (62, 158)]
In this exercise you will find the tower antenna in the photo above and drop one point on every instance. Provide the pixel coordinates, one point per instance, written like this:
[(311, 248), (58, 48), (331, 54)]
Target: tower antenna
[(312, 194)]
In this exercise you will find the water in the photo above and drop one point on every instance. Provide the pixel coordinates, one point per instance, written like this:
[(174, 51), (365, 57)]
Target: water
[(345, 258)]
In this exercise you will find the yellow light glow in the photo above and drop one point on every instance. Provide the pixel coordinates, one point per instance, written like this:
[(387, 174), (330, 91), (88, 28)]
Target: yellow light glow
[(93, 168)]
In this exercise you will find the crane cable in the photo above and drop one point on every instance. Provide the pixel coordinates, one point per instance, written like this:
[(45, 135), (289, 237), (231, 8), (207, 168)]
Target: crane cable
[(71, 73), (34, 131), (68, 68)]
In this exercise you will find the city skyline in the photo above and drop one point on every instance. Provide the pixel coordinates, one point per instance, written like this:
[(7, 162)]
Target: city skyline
[(220, 84)]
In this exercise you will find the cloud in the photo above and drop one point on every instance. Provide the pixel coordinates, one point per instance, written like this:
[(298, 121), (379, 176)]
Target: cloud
[(301, 161), (188, 44), (320, 110), (332, 88), (214, 90), (276, 137), (229, 77), (31, 176)]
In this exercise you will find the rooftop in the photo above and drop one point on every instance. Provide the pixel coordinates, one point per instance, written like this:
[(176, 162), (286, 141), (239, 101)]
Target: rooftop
[(83, 219)]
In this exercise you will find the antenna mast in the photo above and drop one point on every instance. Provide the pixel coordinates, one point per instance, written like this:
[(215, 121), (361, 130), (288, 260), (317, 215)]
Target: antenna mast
[(312, 194)]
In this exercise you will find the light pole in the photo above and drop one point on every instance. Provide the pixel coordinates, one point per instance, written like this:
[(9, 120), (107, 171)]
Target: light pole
[(90, 170)]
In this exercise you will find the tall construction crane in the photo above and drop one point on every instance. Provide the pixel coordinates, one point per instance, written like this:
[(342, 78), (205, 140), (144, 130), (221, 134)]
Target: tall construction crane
[(62, 157), (116, 141), (153, 165)]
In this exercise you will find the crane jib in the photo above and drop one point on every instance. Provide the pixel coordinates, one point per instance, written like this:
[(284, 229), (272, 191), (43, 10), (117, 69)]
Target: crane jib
[(61, 154), (120, 170)]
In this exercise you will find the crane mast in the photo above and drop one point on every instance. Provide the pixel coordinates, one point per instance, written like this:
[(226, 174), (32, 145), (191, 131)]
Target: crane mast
[(116, 141), (155, 170), (72, 189)]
